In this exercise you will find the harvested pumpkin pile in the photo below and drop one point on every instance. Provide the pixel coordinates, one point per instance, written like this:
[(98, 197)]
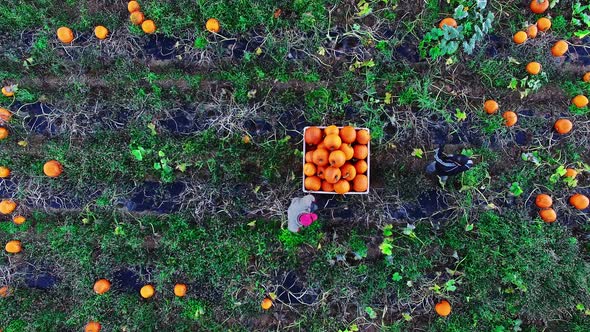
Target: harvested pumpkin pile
[(308, 165)]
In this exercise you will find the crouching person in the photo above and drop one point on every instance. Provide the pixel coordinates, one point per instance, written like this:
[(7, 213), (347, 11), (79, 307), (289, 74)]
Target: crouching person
[(300, 212)]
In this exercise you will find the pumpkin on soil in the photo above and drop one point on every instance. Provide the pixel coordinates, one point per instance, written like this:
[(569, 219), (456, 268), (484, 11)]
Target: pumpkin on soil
[(65, 35), (52, 168), (136, 18), (491, 106), (148, 26), (212, 25), (7, 206), (348, 134), (360, 183), (449, 21), (180, 290), (563, 126), (443, 308), (8, 91), (348, 172), (133, 6), (363, 136), (510, 118), (543, 201), (313, 135), (333, 175), (4, 291), (543, 24), (361, 151), (147, 291), (19, 220), (13, 247), (559, 48), (533, 68), (579, 201), (92, 327), (520, 37), (571, 173), (309, 169), (320, 157), (4, 172), (361, 166), (342, 187), (313, 183), (266, 303), (102, 286), (4, 133), (580, 101), (5, 115), (101, 32), (337, 158), (539, 6), (548, 215), (532, 31), (586, 77)]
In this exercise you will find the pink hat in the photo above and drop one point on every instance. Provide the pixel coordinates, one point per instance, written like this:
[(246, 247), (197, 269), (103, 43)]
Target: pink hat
[(307, 219)]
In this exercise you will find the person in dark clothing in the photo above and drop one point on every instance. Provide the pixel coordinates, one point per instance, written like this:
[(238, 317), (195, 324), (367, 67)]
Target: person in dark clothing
[(445, 165)]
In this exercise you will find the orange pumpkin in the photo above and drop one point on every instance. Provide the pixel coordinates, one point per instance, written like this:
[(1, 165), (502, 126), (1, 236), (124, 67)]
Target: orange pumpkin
[(4, 133), (363, 136), (539, 6), (313, 183), (342, 187), (449, 21), (313, 135), (5, 115), (585, 78), (4, 291), (92, 327), (148, 26), (348, 172), (579, 201), (102, 286), (331, 130), (4, 172), (133, 6), (532, 31), (510, 118), (543, 24), (52, 168), (309, 169), (548, 215), (533, 68), (332, 142), (491, 106), (571, 173), (320, 157), (19, 220), (8, 91), (212, 25), (361, 151), (360, 183), (337, 158), (563, 126), (13, 247), (543, 201), (321, 172), (559, 48), (520, 37), (580, 101), (7, 206), (348, 134), (327, 186), (443, 308), (180, 290), (348, 150), (266, 303), (136, 18), (147, 291), (332, 175), (65, 35), (361, 166), (101, 32)]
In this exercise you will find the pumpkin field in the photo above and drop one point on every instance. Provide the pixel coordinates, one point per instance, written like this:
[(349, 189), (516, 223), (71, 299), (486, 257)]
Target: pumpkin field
[(150, 150)]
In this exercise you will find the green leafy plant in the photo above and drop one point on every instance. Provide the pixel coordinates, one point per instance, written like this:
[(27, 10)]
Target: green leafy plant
[(581, 19)]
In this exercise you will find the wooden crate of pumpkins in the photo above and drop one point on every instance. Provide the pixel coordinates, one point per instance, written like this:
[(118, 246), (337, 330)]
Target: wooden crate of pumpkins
[(336, 160)]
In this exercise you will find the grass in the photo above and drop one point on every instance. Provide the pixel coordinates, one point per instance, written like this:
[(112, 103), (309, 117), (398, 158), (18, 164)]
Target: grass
[(115, 105)]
